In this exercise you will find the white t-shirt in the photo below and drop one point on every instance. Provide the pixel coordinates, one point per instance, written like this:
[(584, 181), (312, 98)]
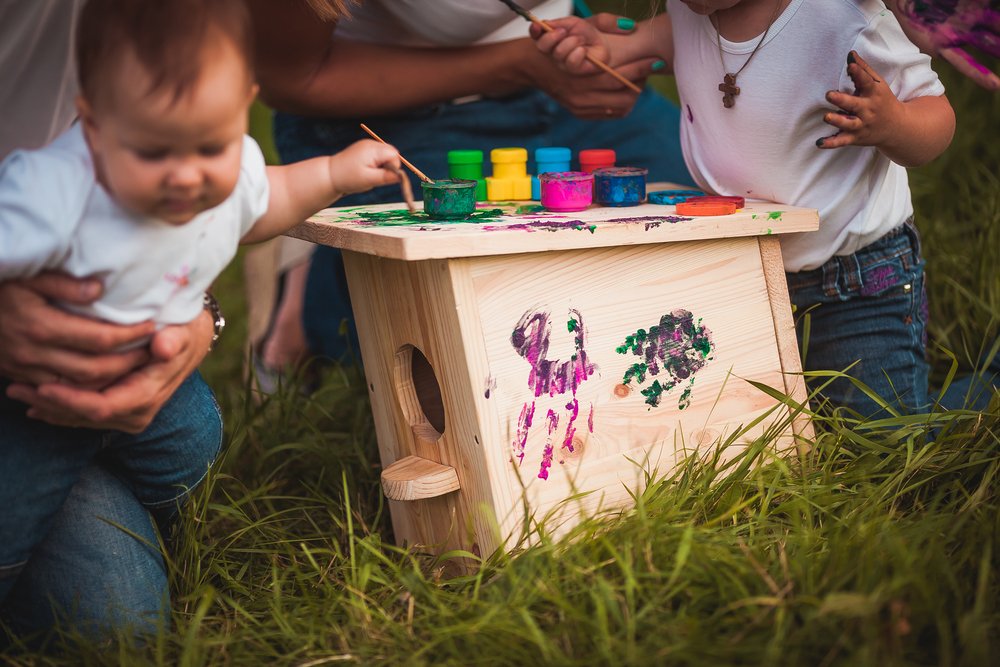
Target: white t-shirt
[(765, 145), (37, 74), (443, 23), (54, 215)]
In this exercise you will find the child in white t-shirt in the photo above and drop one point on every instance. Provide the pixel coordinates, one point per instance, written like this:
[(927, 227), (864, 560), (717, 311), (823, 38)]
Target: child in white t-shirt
[(151, 192), (761, 82)]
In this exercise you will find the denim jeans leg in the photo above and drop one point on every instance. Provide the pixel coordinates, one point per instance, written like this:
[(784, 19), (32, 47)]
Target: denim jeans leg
[(99, 568), (868, 309), (41, 463), (164, 463)]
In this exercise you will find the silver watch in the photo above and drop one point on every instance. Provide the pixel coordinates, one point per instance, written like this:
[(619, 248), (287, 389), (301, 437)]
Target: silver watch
[(218, 321)]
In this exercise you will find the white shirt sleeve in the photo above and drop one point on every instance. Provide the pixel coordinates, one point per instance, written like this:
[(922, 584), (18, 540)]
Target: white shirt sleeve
[(40, 200), (252, 189), (886, 48)]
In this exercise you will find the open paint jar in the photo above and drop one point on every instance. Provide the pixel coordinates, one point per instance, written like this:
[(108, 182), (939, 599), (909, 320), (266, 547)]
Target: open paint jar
[(620, 186), (449, 198), (565, 191)]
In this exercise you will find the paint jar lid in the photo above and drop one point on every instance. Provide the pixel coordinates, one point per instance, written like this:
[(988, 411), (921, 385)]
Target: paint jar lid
[(552, 154), (605, 156), (465, 157), (505, 155), (620, 172), (449, 184), (565, 176)]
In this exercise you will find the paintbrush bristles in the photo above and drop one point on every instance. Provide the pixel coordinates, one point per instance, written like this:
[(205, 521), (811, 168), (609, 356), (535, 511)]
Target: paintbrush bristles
[(547, 28), (421, 175)]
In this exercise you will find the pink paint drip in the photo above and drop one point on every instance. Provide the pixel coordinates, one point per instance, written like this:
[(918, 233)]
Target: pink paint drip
[(523, 426), (552, 419)]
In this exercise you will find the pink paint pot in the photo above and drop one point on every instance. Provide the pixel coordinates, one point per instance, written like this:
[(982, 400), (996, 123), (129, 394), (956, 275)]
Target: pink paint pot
[(565, 191)]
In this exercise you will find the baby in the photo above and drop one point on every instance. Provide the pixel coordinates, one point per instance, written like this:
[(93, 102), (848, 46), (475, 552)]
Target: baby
[(151, 191)]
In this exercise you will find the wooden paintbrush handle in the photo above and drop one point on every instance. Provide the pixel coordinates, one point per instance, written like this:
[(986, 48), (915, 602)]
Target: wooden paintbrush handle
[(601, 64), (421, 175)]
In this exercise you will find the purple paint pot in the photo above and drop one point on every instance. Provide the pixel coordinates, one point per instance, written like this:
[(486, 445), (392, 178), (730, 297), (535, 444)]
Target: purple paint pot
[(450, 198), (620, 186), (565, 191)]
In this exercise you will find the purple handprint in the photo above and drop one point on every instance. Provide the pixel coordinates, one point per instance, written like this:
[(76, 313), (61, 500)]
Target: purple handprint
[(944, 27), (677, 346), (531, 340)]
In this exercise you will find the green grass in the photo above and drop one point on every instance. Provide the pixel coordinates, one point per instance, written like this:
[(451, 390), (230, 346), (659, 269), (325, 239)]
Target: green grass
[(877, 548)]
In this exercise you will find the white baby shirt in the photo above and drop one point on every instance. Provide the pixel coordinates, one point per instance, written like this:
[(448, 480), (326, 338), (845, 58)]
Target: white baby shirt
[(764, 147), (54, 215)]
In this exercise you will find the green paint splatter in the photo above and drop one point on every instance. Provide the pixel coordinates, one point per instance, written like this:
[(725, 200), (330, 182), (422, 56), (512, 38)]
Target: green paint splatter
[(774, 215), (527, 209), (401, 216), (571, 325), (753, 217), (769, 231)]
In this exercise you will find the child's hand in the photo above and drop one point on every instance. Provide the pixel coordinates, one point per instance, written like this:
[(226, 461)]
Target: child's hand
[(364, 165), (869, 116), (570, 42)]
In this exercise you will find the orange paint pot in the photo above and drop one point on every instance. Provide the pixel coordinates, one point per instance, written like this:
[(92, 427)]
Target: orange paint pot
[(720, 199), (705, 208)]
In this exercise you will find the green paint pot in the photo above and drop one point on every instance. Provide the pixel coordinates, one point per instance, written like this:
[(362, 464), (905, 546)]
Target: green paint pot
[(449, 199)]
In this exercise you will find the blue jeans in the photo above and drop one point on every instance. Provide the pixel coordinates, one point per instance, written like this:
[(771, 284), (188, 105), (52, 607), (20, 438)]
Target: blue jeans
[(870, 307), (648, 137), (72, 496)]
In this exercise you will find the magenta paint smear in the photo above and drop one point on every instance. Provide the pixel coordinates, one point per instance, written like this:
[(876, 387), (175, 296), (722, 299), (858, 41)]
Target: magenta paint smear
[(530, 339), (954, 24), (670, 353), (550, 225)]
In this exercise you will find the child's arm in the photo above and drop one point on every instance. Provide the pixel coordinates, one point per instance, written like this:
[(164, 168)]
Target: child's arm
[(910, 133), (301, 189), (574, 37)]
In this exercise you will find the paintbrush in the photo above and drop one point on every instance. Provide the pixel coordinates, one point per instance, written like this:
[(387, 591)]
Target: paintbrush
[(421, 175), (547, 28), (404, 185)]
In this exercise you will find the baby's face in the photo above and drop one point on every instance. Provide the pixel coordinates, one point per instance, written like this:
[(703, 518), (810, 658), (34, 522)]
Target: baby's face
[(165, 158)]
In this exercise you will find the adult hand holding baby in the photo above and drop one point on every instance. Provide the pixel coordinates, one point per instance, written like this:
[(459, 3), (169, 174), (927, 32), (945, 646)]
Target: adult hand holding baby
[(66, 369)]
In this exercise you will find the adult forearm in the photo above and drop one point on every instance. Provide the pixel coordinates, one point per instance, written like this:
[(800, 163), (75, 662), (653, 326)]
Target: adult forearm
[(354, 79)]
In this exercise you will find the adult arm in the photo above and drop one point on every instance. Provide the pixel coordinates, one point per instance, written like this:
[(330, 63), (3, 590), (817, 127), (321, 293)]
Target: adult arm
[(62, 365), (304, 68)]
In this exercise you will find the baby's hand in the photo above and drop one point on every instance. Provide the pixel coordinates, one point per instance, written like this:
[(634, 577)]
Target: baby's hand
[(868, 117), (571, 39), (364, 165)]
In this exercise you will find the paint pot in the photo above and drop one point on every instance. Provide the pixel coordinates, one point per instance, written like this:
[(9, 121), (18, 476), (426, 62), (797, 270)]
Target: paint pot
[(510, 179), (620, 186), (671, 197), (549, 158), (468, 164), (449, 199), (737, 201), (705, 208), (595, 158), (565, 191)]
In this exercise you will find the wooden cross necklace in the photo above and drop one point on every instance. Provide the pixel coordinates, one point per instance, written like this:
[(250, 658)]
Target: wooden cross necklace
[(728, 87)]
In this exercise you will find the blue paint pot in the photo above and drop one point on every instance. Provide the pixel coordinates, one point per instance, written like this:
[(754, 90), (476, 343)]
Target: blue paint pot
[(670, 197), (620, 186), (549, 158)]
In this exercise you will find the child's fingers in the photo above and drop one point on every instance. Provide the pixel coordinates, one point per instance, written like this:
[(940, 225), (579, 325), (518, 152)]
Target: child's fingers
[(546, 42), (851, 104), (861, 73), (838, 140), (843, 121)]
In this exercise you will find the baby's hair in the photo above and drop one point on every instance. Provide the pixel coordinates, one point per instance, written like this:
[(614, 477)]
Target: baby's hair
[(166, 37)]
